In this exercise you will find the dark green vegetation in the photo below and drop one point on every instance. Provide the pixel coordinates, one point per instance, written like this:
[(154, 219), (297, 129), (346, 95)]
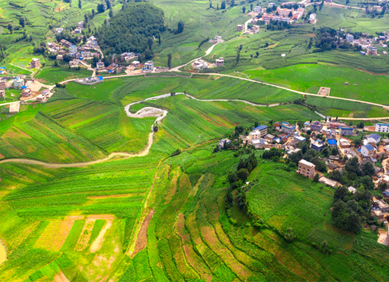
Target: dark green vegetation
[(130, 29)]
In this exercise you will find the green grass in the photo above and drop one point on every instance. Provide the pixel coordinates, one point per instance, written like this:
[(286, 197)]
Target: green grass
[(54, 75), (361, 85)]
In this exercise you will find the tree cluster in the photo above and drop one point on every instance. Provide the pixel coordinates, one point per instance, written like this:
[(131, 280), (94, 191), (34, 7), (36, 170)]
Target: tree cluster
[(355, 175), (131, 28), (326, 38), (310, 155), (351, 210)]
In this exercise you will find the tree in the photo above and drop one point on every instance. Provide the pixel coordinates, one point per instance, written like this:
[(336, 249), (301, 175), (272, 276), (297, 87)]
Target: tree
[(316, 177), (93, 13), (232, 3), (110, 13), (169, 60), (22, 22), (289, 235), (251, 6), (368, 169), (150, 42), (223, 5), (10, 28), (243, 174), (232, 177), (237, 57), (79, 4), (357, 142), (310, 43), (180, 27), (244, 10)]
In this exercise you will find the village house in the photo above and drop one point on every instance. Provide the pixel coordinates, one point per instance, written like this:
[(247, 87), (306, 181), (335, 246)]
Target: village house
[(112, 67), (58, 30), (306, 169), (344, 143), (316, 126), (257, 9), (318, 145), (368, 150), (2, 93), (3, 84), (382, 205), (59, 57), (26, 92), (223, 142), (200, 64), (271, 5), (73, 63), (14, 107), (349, 37), (269, 137), (239, 27), (312, 18), (257, 133), (346, 131), (219, 62), (382, 127), (100, 65), (35, 63), (81, 24), (351, 189), (288, 128), (65, 43), (77, 30), (385, 194), (385, 141), (336, 125), (373, 139), (148, 66), (18, 82), (298, 138), (332, 143), (283, 12), (72, 49), (371, 50), (135, 64), (329, 182)]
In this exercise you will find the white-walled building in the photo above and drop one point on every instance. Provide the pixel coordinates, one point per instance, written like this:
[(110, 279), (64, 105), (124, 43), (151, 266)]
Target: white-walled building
[(382, 127)]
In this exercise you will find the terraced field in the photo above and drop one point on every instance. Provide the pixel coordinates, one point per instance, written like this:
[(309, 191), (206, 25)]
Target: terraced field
[(191, 235)]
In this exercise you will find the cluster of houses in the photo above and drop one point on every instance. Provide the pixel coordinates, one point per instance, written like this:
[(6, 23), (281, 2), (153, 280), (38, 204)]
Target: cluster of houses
[(202, 64), (366, 43), (252, 30), (77, 52), (282, 13)]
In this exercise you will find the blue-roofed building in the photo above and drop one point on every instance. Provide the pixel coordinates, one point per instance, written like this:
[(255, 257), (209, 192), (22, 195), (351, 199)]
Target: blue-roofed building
[(382, 127), (386, 195), (350, 37), (258, 132), (346, 131), (373, 138), (332, 142), (317, 145), (367, 150), (73, 49), (287, 128), (100, 77)]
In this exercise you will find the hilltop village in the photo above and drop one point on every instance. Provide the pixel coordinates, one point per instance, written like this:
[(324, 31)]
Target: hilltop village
[(325, 151)]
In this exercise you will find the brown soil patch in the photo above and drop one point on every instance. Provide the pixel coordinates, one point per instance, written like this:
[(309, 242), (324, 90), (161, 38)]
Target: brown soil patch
[(116, 196), (57, 9), (224, 253), (85, 235), (61, 278), (372, 73), (98, 242), (102, 216), (141, 240), (191, 256)]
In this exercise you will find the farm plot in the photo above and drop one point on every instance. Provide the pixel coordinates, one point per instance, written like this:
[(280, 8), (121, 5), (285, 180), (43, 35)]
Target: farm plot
[(191, 235), (86, 213)]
